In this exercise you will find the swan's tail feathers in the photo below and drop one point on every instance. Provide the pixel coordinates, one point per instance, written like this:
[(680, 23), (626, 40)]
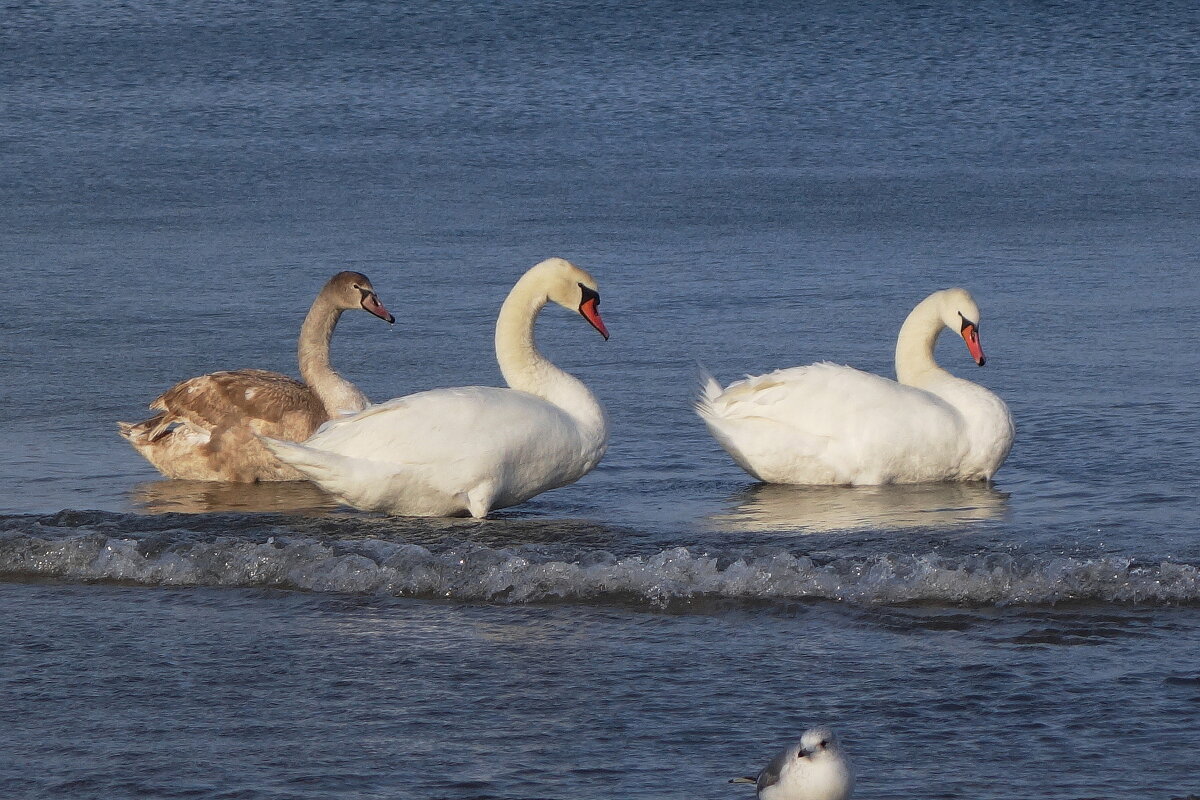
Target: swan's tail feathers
[(128, 430), (317, 465), (710, 390), (148, 430)]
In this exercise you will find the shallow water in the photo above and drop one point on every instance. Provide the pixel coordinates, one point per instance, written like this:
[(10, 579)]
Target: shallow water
[(753, 188)]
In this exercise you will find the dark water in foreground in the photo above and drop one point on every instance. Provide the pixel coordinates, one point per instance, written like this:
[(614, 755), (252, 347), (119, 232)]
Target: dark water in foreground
[(315, 696), (753, 188)]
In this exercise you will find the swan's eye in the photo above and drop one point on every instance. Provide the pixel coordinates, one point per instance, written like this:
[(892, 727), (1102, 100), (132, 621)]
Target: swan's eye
[(824, 744), (966, 323)]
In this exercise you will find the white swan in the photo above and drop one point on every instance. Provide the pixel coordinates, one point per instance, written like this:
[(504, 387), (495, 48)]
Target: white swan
[(830, 424), (207, 426), (476, 448)]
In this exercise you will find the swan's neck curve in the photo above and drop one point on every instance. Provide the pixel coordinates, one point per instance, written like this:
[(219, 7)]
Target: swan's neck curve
[(914, 346), (337, 394), (527, 370)]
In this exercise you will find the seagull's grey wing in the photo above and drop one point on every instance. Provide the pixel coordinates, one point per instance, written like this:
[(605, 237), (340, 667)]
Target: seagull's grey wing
[(770, 774)]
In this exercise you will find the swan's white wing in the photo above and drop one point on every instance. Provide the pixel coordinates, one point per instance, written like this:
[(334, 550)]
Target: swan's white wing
[(470, 422), (827, 423)]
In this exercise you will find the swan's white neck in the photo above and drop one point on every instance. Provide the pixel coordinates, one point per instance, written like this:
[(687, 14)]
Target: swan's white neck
[(337, 394), (914, 345), (527, 370)]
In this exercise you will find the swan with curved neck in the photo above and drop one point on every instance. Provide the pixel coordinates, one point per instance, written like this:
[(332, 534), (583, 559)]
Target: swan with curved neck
[(831, 424), (207, 426), (473, 449)]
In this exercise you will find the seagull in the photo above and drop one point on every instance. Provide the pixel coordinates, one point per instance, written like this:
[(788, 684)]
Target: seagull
[(812, 769)]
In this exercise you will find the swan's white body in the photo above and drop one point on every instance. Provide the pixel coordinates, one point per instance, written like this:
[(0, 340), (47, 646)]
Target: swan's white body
[(831, 424), (477, 448)]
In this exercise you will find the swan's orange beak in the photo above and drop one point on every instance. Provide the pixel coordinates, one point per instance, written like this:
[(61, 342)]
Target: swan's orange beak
[(370, 302), (970, 334), (590, 308)]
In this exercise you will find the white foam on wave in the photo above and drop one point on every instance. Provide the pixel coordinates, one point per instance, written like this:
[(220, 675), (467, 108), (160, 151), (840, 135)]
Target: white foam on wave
[(670, 577)]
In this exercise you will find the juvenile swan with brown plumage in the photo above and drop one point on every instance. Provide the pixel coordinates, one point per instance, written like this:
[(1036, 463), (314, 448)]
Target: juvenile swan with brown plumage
[(207, 427)]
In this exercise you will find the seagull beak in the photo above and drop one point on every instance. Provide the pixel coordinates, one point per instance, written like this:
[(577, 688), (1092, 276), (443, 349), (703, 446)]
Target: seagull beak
[(970, 334), (370, 302), (590, 309)]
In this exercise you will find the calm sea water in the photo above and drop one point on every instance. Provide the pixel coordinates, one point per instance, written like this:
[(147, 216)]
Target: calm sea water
[(754, 187)]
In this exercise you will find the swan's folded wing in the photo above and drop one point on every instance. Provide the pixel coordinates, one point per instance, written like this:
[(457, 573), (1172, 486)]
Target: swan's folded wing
[(810, 399), (469, 423), (270, 403), (826, 423), (826, 400)]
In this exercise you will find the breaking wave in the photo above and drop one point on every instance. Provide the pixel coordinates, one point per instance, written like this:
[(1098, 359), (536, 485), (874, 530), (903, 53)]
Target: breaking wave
[(676, 577)]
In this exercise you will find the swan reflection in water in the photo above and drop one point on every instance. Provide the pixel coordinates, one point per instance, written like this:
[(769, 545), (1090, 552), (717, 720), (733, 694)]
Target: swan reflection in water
[(199, 497), (777, 507)]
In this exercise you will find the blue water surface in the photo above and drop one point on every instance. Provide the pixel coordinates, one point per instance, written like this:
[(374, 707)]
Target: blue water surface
[(754, 186)]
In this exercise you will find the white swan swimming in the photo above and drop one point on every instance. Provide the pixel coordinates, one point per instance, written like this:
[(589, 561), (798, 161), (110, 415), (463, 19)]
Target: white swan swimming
[(831, 424), (207, 426), (476, 448)]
